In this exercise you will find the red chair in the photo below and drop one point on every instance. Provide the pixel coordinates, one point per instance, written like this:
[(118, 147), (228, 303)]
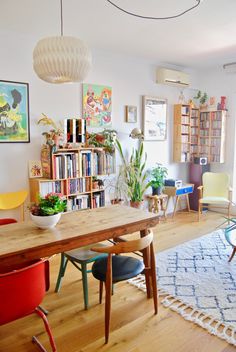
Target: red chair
[(21, 292)]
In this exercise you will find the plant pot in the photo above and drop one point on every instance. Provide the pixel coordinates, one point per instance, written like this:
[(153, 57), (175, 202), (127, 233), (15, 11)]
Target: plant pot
[(117, 201), (95, 185), (156, 191), (45, 222), (136, 204)]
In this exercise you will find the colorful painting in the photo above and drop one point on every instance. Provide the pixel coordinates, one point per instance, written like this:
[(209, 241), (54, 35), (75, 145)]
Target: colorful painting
[(35, 168), (97, 104), (14, 112)]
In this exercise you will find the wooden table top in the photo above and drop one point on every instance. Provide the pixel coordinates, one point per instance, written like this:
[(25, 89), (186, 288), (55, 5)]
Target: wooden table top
[(21, 242)]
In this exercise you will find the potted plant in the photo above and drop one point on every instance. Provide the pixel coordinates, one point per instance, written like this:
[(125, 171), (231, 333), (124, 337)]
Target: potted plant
[(134, 174), (120, 189), (158, 175), (202, 97), (47, 211)]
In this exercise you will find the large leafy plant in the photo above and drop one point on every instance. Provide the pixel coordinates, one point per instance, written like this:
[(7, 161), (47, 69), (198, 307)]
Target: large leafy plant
[(51, 204), (134, 173)]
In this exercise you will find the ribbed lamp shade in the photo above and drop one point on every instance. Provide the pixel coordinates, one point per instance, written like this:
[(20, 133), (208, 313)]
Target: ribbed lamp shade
[(61, 59)]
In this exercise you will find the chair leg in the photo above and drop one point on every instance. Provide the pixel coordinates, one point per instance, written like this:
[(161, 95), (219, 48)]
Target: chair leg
[(154, 279), (48, 330), (100, 291), (199, 210), (85, 284), (108, 297), (232, 254), (63, 265)]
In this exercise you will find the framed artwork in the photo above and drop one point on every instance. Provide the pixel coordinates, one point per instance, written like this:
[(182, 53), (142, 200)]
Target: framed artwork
[(154, 118), (14, 112), (35, 168), (97, 105), (130, 114)]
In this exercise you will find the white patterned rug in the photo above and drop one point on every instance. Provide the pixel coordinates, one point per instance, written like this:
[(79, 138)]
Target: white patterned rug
[(197, 281)]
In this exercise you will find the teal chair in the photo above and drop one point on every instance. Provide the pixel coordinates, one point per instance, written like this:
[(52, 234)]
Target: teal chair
[(80, 258)]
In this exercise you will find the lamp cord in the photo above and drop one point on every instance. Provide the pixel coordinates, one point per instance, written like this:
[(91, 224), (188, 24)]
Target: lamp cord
[(154, 18), (61, 21)]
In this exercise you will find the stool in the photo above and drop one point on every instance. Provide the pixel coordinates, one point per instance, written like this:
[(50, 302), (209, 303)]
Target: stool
[(157, 203)]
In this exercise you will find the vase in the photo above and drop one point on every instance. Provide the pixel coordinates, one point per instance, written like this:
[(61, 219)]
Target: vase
[(45, 222), (136, 204), (156, 191)]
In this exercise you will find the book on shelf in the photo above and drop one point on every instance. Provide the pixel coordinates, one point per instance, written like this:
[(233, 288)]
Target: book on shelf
[(75, 130)]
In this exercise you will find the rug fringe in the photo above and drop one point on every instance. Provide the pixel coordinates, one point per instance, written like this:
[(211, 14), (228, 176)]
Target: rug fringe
[(213, 326)]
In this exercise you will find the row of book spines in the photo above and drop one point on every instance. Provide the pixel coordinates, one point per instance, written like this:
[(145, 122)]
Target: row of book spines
[(51, 187), (75, 130), (80, 185), (78, 202), (98, 200)]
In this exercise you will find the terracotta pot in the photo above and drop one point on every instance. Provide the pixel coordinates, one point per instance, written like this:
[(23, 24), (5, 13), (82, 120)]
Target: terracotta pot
[(95, 185), (117, 201), (136, 204)]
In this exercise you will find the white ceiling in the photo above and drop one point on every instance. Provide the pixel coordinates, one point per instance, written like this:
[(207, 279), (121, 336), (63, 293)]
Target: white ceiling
[(203, 37)]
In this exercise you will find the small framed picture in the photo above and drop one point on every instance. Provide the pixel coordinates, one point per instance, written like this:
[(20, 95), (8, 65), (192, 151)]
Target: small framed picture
[(35, 168), (130, 114)]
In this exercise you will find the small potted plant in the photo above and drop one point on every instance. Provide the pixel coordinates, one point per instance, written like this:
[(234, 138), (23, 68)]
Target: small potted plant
[(158, 175), (47, 211)]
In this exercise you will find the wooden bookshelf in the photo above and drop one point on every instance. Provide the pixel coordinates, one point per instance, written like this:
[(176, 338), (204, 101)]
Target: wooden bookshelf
[(198, 133), (72, 174)]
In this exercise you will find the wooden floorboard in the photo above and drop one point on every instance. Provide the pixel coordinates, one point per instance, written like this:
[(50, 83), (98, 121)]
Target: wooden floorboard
[(134, 328)]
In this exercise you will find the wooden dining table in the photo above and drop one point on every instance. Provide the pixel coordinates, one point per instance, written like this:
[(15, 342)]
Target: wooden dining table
[(23, 242)]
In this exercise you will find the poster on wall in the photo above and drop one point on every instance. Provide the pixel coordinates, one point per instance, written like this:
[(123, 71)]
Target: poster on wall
[(97, 105), (154, 118), (14, 112)]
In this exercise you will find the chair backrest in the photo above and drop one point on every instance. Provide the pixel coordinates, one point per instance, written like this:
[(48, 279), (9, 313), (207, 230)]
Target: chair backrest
[(22, 290), (13, 200), (215, 184), (128, 246)]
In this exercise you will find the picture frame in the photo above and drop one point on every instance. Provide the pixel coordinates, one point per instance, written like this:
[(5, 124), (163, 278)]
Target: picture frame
[(35, 169), (154, 118), (130, 113), (14, 112)]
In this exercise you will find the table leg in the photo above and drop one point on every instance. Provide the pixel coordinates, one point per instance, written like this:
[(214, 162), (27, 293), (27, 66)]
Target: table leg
[(176, 203), (146, 261), (187, 199)]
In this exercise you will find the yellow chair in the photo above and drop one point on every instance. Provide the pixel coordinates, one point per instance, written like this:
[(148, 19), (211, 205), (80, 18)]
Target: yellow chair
[(215, 192), (13, 200)]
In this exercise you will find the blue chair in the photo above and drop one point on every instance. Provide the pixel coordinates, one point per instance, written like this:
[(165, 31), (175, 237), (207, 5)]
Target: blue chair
[(80, 258)]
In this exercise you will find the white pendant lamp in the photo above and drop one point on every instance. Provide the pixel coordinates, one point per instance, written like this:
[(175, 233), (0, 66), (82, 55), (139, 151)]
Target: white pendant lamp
[(61, 59)]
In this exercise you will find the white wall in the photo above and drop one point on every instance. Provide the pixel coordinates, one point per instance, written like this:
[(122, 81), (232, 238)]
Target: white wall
[(129, 77)]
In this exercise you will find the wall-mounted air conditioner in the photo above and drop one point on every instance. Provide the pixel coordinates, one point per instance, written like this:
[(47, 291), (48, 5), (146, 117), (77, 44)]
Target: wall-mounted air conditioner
[(172, 77)]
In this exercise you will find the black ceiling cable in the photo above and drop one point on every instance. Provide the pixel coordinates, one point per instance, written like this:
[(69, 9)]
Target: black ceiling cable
[(154, 18)]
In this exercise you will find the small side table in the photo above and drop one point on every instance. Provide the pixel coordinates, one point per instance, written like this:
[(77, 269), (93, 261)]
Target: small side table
[(185, 190), (157, 203)]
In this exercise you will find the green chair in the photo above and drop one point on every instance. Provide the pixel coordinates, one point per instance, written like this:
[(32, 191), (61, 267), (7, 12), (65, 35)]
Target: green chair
[(80, 258)]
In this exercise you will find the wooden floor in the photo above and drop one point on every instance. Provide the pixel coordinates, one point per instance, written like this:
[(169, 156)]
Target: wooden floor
[(134, 328)]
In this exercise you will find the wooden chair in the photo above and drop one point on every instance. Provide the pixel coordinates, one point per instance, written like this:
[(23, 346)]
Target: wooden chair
[(13, 200), (112, 269), (80, 258), (215, 192), (22, 289)]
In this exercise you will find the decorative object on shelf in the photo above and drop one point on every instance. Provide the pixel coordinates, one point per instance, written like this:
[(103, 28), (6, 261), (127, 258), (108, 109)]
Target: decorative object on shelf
[(75, 131), (134, 174), (47, 211), (202, 98), (136, 133), (97, 184), (62, 58), (55, 136), (154, 118), (35, 168), (14, 112), (97, 105), (155, 17), (105, 139), (158, 175), (223, 103), (130, 114), (181, 98)]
